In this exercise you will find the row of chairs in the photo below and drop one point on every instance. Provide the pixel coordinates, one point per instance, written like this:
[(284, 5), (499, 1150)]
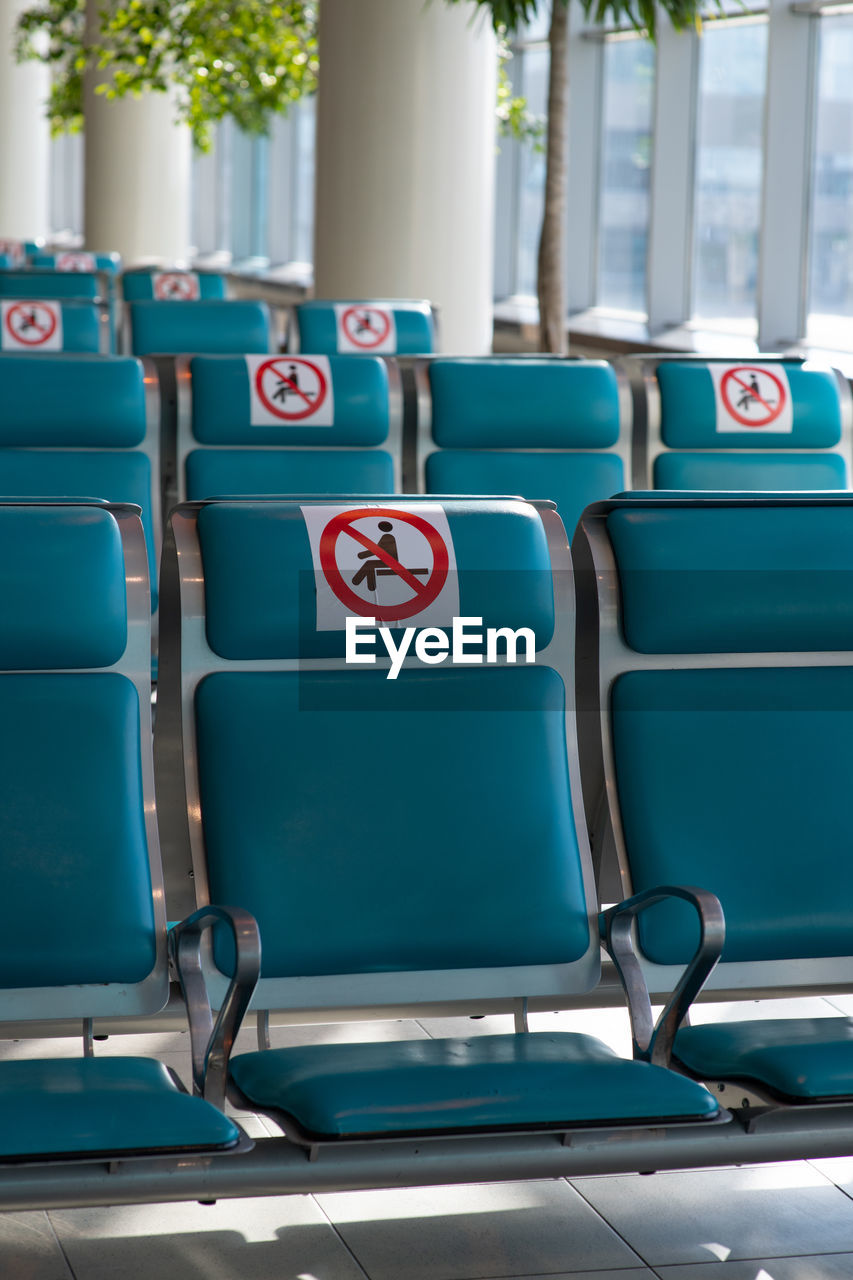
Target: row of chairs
[(404, 842), (254, 424), (177, 311)]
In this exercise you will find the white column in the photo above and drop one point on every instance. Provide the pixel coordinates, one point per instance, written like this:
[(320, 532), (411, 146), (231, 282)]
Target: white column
[(138, 168), (24, 136), (406, 159)]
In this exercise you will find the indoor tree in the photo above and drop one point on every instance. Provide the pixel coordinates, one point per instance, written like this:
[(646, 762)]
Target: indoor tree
[(508, 16), (247, 59)]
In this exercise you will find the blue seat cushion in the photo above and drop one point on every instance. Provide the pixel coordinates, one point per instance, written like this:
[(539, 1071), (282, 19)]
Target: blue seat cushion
[(260, 587), (717, 579), (750, 471), (689, 412), (524, 404), (801, 1059), (74, 854), (108, 474), (572, 480), (71, 402), (563, 1079), (739, 781), (252, 472), (211, 325), (63, 587), (425, 821), (60, 1108)]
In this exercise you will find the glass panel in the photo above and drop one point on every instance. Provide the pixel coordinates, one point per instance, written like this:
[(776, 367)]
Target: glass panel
[(729, 157), (304, 118), (831, 259), (534, 87), (629, 71)]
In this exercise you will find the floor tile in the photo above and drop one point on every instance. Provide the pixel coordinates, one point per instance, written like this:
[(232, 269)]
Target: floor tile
[(492, 1025), (828, 1266), (610, 1025), (717, 1215), (839, 1169), (633, 1273), (337, 1033), (281, 1238), (463, 1232), (757, 1010), (29, 1249)]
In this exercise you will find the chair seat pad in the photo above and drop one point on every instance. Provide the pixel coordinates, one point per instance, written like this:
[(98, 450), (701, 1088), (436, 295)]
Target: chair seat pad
[(802, 1059), (114, 1106), (344, 1090)]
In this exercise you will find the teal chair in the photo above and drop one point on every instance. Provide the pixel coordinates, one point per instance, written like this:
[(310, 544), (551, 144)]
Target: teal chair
[(377, 327), (210, 326), (250, 425), (404, 843), (74, 260), (83, 425), (716, 642), (95, 286), (532, 425), (42, 325), (84, 934), (166, 284), (761, 423)]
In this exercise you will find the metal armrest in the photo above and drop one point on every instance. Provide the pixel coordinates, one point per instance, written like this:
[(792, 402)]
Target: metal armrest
[(652, 1042), (211, 1043)]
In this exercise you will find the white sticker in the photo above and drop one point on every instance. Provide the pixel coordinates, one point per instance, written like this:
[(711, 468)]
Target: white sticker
[(290, 391), (752, 397), (365, 327), (385, 561), (176, 286), (31, 326), (75, 262), (15, 251)]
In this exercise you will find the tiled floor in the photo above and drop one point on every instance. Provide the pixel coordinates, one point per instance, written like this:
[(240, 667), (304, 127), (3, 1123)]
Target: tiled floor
[(773, 1222)]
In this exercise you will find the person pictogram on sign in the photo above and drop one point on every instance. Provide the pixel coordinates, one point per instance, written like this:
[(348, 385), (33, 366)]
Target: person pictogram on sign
[(365, 323), (751, 396), (289, 386), (29, 321), (373, 568)]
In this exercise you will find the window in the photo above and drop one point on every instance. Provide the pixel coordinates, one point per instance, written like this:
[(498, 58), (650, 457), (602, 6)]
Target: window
[(831, 232), (534, 87), (728, 175), (626, 145)]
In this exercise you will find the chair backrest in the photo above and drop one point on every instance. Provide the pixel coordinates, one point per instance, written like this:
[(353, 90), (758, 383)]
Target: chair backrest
[(212, 326), (762, 423), (40, 325), (13, 253), (715, 666), (164, 284), (52, 284), (254, 425), (76, 260), (378, 327), (543, 428), (83, 425), (430, 819), (84, 927)]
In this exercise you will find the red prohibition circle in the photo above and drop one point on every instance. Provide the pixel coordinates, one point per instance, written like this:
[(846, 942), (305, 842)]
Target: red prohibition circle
[(75, 262), (431, 589), (771, 415), (379, 338), (311, 406), (173, 284), (42, 336)]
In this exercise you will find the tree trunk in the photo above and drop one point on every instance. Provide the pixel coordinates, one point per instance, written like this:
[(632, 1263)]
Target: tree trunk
[(551, 270)]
